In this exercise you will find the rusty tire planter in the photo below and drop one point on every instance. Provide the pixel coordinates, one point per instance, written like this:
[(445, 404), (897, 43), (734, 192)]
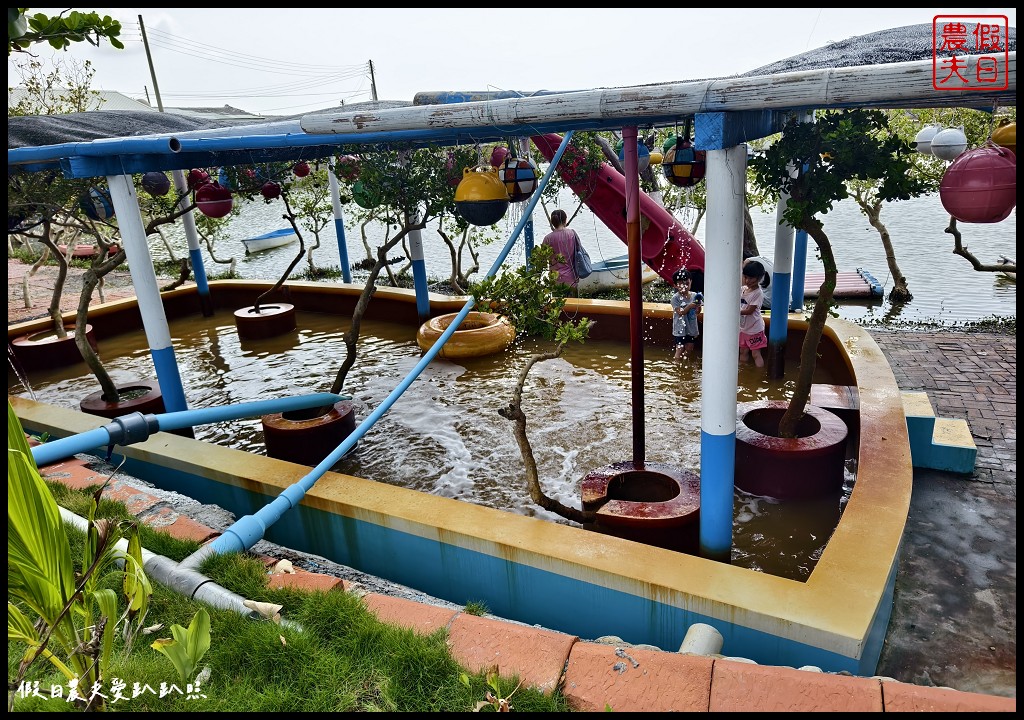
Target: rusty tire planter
[(789, 468), (654, 504), (146, 399), (273, 319), (301, 437), (43, 350)]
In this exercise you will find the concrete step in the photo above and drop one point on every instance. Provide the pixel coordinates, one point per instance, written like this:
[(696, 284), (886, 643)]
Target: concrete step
[(937, 443)]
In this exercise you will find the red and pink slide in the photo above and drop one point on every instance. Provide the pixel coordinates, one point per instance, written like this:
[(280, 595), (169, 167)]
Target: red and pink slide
[(665, 244)]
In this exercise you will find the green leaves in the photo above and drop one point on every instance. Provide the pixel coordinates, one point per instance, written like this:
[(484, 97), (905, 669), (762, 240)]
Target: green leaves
[(187, 647), (59, 31)]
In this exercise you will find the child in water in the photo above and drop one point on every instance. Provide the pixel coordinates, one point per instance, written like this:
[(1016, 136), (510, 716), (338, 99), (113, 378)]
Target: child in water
[(752, 337), (685, 305)]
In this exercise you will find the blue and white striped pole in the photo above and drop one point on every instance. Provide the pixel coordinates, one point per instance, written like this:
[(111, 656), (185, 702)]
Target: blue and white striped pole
[(726, 178), (154, 321), (192, 237), (782, 276), (339, 224), (419, 268)]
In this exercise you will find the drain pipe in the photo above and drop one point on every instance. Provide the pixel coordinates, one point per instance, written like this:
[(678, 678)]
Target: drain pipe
[(184, 581), (136, 427), (248, 530)]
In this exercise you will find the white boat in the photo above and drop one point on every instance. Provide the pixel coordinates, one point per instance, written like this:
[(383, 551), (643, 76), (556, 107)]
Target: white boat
[(269, 240), (1003, 260), (612, 274)]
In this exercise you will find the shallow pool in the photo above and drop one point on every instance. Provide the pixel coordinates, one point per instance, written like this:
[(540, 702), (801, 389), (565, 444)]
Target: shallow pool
[(444, 435)]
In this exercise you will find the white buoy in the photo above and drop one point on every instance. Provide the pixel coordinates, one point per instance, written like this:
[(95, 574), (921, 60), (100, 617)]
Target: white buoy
[(923, 139), (949, 144)]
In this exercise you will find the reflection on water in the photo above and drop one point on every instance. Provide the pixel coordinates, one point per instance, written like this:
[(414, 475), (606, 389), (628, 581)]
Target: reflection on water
[(444, 435)]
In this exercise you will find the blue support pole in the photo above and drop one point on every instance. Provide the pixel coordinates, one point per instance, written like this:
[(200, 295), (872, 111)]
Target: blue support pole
[(419, 269), (796, 303), (339, 224), (192, 237), (726, 178), (154, 321), (781, 279), (250, 529)]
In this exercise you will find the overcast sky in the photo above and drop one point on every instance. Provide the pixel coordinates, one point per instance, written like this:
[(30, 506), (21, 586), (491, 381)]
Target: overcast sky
[(285, 62)]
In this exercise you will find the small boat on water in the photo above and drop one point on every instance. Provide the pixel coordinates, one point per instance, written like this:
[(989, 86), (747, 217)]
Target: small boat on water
[(1003, 260), (269, 240), (612, 274)]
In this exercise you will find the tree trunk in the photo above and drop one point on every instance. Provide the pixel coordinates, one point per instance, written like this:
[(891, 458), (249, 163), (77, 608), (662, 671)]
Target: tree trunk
[(53, 311), (514, 412), (749, 237), (107, 386), (351, 336), (900, 293), (815, 328)]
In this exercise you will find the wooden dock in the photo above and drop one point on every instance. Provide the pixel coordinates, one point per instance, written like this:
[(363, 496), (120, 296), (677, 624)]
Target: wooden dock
[(857, 284)]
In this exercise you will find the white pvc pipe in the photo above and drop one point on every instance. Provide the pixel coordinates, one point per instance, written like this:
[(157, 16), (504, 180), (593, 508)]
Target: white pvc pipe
[(702, 639)]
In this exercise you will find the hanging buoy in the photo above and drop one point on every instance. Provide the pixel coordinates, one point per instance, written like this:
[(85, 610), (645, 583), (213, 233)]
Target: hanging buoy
[(156, 183), (347, 168), (270, 190), (670, 142), (923, 139), (980, 186), (498, 155), (97, 204), (683, 166), (949, 143), (657, 158), (643, 155), (520, 178), (301, 169), (481, 197), (214, 200), (197, 178), (1006, 136)]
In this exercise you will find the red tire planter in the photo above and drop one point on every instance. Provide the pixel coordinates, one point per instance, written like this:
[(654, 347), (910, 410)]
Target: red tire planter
[(788, 468), (654, 504), (303, 438), (44, 350), (149, 400), (272, 320)]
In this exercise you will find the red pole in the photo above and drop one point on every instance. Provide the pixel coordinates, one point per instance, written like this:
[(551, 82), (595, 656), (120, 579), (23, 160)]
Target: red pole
[(636, 329)]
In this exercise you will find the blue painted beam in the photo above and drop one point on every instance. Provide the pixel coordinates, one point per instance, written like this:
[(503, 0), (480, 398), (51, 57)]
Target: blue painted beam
[(720, 130)]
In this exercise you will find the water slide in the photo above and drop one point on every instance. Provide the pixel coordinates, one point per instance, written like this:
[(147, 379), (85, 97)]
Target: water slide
[(665, 244)]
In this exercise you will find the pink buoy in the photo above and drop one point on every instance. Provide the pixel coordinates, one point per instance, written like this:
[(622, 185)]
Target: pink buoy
[(980, 186), (498, 155)]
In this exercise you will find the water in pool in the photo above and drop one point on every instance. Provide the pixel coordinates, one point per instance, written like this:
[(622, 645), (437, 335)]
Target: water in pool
[(445, 436)]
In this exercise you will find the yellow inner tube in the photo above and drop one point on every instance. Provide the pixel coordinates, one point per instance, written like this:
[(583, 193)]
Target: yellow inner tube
[(479, 334)]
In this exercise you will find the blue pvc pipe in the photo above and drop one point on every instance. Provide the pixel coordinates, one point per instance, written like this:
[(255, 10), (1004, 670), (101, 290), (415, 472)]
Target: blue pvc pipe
[(250, 529), (100, 437)]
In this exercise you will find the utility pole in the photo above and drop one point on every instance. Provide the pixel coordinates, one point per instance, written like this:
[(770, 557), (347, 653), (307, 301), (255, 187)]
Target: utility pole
[(152, 71), (373, 83)]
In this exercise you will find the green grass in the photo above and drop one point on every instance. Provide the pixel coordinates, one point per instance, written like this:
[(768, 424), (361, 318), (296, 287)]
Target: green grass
[(340, 658)]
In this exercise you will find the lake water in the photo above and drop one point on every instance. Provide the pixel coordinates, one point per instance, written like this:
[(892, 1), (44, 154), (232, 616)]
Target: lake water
[(947, 290)]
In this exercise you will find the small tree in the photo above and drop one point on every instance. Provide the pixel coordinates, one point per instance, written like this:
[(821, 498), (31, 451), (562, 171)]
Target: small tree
[(840, 147), (532, 299)]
